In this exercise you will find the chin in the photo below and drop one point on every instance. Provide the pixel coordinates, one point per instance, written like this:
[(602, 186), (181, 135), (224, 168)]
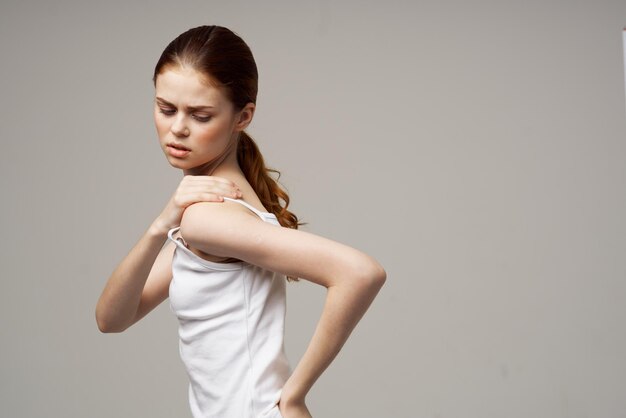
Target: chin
[(177, 163)]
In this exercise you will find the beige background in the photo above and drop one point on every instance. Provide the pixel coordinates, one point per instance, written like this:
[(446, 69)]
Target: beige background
[(476, 149)]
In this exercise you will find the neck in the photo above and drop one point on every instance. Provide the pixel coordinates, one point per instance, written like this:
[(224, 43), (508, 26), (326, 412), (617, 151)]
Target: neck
[(225, 165)]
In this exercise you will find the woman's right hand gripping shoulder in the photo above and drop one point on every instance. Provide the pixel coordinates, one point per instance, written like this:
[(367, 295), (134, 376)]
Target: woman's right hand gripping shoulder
[(194, 189), (141, 281)]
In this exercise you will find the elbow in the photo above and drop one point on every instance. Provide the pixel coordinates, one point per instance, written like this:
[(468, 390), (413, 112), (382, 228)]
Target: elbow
[(105, 327), (372, 273), (104, 330), (102, 326), (379, 275)]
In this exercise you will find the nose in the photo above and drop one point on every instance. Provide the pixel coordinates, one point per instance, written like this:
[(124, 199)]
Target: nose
[(179, 127)]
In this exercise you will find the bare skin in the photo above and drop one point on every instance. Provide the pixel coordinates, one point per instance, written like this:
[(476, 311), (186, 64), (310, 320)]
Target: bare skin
[(232, 231), (141, 281)]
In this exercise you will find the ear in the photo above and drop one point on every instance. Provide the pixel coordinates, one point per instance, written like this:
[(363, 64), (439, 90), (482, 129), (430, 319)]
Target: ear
[(244, 116)]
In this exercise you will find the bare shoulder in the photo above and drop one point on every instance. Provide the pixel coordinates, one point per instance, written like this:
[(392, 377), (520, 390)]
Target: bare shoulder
[(232, 230)]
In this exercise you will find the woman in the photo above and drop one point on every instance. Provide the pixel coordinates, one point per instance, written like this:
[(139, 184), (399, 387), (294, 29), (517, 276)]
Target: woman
[(224, 265)]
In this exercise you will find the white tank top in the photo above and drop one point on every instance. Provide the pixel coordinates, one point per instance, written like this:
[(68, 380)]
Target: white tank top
[(231, 327)]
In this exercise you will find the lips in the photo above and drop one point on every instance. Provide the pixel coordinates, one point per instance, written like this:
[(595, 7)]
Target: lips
[(178, 146)]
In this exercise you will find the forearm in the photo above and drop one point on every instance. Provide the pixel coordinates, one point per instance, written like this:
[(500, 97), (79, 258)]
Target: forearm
[(344, 307), (121, 296)]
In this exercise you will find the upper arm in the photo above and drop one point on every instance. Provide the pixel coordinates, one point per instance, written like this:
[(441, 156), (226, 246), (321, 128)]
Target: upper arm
[(230, 232), (156, 288)]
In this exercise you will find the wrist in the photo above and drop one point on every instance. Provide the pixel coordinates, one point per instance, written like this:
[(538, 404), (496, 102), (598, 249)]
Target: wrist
[(292, 395), (158, 229)]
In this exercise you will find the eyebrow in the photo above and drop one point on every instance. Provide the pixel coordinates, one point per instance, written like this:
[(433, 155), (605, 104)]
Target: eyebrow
[(160, 99)]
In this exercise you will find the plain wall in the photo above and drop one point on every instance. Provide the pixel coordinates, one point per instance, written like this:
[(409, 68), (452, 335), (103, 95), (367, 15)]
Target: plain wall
[(476, 149)]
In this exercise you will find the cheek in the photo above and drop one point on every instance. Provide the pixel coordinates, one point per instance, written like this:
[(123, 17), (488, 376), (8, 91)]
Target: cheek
[(206, 135), (210, 132), (162, 125)]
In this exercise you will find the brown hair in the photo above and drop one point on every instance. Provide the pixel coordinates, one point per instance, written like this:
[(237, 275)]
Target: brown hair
[(224, 58)]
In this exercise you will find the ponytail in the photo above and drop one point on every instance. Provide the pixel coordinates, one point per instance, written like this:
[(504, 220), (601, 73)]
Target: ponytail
[(267, 189)]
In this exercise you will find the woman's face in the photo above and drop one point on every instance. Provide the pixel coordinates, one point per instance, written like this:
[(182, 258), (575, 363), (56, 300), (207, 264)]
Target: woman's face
[(192, 114)]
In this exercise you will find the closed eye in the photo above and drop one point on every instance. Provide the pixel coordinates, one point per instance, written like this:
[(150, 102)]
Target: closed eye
[(166, 111), (170, 112)]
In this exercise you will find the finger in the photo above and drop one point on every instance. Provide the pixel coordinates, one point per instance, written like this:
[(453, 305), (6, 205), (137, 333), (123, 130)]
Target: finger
[(207, 197), (232, 193), (226, 189), (189, 197)]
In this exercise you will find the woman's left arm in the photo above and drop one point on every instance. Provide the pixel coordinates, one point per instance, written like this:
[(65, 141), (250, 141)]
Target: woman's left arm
[(345, 305), (352, 278)]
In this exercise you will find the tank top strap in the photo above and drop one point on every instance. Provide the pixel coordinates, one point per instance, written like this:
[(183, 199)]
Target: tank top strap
[(248, 205), (180, 241)]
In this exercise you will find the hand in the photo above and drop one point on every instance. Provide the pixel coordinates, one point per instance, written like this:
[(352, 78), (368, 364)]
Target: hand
[(194, 189), (293, 408), (291, 403)]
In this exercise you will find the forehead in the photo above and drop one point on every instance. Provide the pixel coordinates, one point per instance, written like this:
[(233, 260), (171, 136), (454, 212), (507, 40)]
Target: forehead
[(185, 86)]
